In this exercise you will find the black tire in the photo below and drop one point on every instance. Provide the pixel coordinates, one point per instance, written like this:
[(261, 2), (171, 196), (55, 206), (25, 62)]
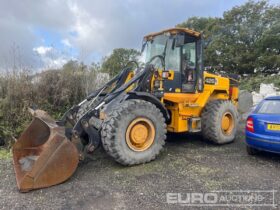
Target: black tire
[(113, 133), (251, 150), (212, 118)]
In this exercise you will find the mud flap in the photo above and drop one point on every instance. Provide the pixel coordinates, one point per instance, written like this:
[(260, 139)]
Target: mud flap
[(43, 156)]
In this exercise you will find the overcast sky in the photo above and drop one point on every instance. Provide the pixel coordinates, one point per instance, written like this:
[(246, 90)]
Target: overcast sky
[(47, 33)]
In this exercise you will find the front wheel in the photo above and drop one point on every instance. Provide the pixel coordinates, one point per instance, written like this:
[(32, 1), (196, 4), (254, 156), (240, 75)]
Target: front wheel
[(134, 132)]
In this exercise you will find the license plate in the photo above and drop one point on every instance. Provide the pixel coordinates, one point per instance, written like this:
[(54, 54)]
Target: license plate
[(273, 127)]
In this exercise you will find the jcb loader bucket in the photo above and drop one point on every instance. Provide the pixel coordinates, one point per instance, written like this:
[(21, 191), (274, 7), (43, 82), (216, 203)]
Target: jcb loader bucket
[(43, 156)]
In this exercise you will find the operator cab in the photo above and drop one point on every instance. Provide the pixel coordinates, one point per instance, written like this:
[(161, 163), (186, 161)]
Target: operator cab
[(182, 53)]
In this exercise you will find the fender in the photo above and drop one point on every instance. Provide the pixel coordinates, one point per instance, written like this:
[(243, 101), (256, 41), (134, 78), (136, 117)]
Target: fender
[(152, 99)]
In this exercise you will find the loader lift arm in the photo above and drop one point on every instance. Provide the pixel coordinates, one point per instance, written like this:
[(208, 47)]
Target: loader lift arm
[(90, 123)]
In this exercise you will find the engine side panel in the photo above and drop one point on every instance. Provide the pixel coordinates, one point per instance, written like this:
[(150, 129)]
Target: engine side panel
[(187, 106)]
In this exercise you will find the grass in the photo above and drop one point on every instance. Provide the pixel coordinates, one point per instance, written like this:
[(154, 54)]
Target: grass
[(5, 154)]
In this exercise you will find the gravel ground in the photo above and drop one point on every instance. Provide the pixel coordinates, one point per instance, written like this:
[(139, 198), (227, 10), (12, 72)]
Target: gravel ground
[(187, 165)]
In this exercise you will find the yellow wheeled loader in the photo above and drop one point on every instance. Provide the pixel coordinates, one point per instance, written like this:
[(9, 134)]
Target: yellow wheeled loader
[(131, 114)]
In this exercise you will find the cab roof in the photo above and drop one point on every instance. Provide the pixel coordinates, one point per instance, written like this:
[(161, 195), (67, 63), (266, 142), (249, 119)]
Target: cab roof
[(174, 31)]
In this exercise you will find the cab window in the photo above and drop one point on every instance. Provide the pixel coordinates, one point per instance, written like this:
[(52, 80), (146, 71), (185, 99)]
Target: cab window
[(188, 66), (172, 58)]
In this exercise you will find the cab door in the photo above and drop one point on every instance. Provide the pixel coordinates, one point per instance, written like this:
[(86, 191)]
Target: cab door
[(189, 67), (173, 62), (186, 62), (192, 67)]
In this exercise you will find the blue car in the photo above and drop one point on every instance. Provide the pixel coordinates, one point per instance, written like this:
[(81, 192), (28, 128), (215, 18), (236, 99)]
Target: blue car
[(263, 127)]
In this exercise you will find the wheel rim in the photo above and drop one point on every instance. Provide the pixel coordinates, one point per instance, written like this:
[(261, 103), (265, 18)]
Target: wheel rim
[(227, 123), (140, 134)]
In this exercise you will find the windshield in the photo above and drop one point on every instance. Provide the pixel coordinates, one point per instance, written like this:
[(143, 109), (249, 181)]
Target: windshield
[(176, 55), (270, 107), (154, 47), (160, 45)]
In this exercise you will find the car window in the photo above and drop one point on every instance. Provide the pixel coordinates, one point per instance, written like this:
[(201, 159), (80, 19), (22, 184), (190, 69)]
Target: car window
[(269, 107)]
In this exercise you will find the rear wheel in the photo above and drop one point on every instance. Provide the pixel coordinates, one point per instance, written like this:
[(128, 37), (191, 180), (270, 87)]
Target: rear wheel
[(134, 132), (251, 150), (219, 121)]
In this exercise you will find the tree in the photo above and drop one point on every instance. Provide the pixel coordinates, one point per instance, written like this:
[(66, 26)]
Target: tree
[(269, 44), (202, 24), (118, 60), (209, 27), (245, 40), (238, 46)]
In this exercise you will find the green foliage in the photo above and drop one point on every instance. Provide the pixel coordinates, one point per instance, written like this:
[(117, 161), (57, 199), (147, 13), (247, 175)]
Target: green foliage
[(5, 154), (54, 91), (207, 26), (119, 58), (252, 82), (246, 40), (14, 101)]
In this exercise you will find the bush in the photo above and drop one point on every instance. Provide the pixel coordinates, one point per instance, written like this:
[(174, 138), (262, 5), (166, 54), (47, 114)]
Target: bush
[(252, 82), (54, 91)]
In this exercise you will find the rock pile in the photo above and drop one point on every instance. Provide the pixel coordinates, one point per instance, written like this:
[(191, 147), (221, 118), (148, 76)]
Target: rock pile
[(265, 91)]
